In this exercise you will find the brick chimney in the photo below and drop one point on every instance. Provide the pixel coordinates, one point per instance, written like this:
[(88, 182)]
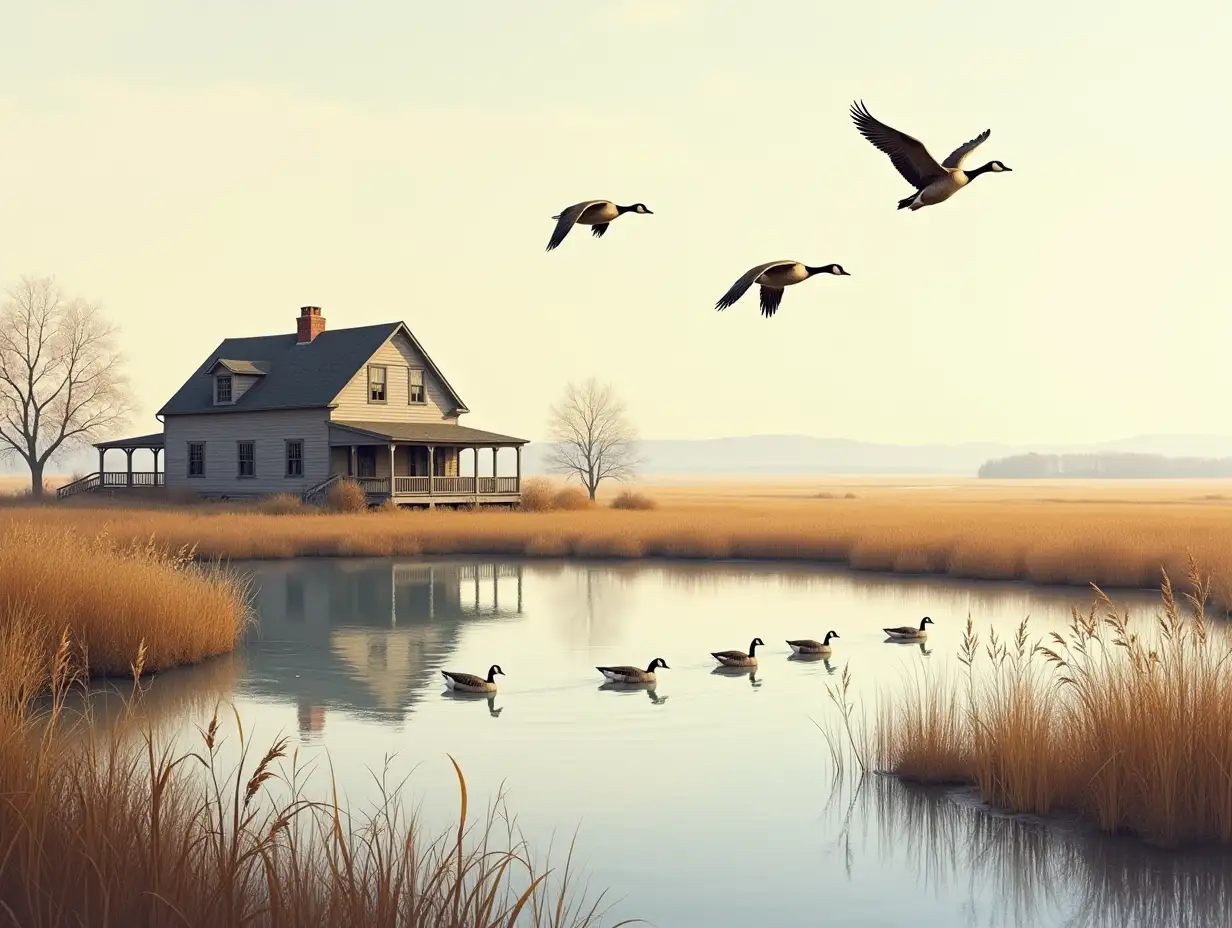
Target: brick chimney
[(309, 325)]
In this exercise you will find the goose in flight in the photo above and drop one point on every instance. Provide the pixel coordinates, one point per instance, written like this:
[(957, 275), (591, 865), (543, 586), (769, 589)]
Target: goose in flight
[(933, 182), (773, 276), (597, 214)]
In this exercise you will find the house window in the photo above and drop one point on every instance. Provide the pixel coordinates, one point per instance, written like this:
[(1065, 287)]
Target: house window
[(222, 388), (295, 459), (376, 385), (196, 459), (247, 456), (416, 379)]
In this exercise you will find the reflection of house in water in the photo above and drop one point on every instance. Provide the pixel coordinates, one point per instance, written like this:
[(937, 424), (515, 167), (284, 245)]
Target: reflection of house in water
[(365, 636)]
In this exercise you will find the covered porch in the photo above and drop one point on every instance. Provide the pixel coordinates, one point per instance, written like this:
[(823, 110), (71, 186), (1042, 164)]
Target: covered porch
[(128, 478), (428, 463)]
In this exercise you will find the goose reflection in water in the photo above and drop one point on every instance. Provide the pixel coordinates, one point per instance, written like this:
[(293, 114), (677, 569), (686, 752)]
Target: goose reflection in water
[(737, 672), (922, 645), (813, 659), (628, 688), (489, 698), (1033, 872)]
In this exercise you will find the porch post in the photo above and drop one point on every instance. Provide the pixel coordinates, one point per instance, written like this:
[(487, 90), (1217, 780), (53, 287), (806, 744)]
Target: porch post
[(157, 451), (101, 453), (392, 459), (517, 474), (128, 453), (352, 467), (431, 469)]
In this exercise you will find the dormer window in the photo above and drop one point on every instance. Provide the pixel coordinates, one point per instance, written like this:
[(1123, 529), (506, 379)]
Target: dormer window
[(222, 389)]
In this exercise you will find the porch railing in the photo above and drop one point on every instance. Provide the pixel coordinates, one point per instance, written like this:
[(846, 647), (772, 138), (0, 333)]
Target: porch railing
[(440, 486), (110, 480)]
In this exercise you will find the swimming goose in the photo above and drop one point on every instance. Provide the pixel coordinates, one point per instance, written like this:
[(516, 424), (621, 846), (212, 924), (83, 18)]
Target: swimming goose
[(809, 646), (933, 182), (630, 674), (773, 276), (469, 683), (739, 658), (910, 632), (597, 214)]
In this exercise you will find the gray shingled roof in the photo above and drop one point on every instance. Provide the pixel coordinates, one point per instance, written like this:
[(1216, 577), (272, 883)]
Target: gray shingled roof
[(297, 376), (341, 433)]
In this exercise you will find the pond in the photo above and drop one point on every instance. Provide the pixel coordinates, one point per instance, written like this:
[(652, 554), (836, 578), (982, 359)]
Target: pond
[(709, 801)]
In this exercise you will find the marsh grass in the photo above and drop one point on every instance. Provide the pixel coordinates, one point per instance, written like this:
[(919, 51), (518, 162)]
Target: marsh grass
[(346, 496), (115, 598), (1128, 731), (1112, 545), (124, 829), (632, 499), (132, 824)]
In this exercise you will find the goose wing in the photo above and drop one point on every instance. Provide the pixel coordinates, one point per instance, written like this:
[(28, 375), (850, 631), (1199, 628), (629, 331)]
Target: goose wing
[(625, 671), (565, 220), (771, 297), (728, 655), (901, 630), (737, 290), (805, 643), (907, 154), (959, 154), (466, 679)]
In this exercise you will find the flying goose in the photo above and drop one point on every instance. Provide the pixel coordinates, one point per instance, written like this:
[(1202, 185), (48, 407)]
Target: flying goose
[(630, 674), (739, 658), (597, 214), (469, 683), (809, 646), (933, 182), (773, 276), (910, 632)]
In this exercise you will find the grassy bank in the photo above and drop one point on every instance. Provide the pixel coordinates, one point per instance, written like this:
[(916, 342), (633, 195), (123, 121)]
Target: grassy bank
[(974, 534), (114, 827), (117, 597), (1129, 732)]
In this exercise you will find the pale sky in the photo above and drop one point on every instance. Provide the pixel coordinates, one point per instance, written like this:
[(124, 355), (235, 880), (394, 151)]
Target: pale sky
[(204, 169)]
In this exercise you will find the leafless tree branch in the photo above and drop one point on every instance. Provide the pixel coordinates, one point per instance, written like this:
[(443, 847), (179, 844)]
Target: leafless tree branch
[(592, 437), (62, 380)]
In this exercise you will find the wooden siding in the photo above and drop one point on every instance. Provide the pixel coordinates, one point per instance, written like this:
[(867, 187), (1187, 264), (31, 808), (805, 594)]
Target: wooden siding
[(269, 430), (241, 384), (397, 355)]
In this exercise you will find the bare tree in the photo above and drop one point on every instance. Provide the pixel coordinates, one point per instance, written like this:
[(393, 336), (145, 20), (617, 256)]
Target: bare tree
[(62, 380), (592, 438)]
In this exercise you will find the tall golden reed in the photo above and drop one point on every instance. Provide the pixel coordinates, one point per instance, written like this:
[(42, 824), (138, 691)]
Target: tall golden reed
[(1128, 731), (116, 827)]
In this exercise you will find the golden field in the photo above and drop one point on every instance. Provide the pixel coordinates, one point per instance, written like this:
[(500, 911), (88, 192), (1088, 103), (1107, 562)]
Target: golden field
[(1114, 533), (111, 827), (1127, 731)]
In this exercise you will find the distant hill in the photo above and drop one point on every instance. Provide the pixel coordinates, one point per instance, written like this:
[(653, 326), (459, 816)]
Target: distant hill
[(786, 455), (1107, 465)]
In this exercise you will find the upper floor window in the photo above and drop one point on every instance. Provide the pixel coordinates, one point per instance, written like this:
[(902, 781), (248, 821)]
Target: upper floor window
[(246, 453), (416, 379), (222, 388), (376, 384), (196, 459)]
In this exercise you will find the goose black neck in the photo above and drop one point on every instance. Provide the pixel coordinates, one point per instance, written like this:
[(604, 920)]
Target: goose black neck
[(823, 269), (829, 635), (752, 647), (492, 674), (650, 668), (976, 172), (923, 622), (623, 209)]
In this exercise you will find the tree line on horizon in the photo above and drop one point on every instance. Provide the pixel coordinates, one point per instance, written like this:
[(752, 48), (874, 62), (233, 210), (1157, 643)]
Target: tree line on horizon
[(1106, 465)]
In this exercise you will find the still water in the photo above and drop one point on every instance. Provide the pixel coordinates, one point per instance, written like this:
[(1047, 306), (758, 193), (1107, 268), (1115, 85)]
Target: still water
[(709, 802)]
